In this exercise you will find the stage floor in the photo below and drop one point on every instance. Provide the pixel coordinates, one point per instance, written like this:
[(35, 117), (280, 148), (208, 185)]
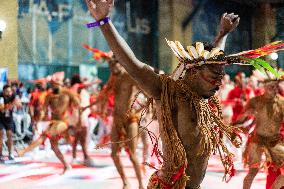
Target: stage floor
[(41, 170)]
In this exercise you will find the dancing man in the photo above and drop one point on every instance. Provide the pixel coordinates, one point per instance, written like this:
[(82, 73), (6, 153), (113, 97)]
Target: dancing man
[(123, 87), (59, 102), (36, 105), (79, 120), (268, 110), (189, 129)]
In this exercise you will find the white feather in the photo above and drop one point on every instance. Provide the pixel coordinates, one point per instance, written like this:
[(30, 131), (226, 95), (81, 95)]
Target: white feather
[(214, 51), (173, 49), (199, 48), (182, 51), (174, 46), (206, 54), (192, 51)]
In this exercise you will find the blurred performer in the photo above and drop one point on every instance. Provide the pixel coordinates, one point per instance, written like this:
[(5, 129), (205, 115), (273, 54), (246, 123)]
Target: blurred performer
[(268, 110), (183, 110), (59, 102), (274, 173), (238, 96), (80, 124), (8, 101), (36, 105), (124, 127), (225, 88)]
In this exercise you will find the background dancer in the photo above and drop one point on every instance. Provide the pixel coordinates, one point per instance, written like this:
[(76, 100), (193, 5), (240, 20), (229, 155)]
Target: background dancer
[(124, 126), (268, 110), (60, 101), (79, 121)]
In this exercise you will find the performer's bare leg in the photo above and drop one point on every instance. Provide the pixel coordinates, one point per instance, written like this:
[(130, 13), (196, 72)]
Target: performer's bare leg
[(115, 156), (74, 148), (254, 161), (249, 178), (59, 155), (132, 131), (278, 183), (32, 146), (54, 129), (82, 135), (144, 139)]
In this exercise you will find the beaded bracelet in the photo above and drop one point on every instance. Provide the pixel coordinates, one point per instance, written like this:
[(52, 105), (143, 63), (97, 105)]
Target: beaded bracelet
[(98, 23)]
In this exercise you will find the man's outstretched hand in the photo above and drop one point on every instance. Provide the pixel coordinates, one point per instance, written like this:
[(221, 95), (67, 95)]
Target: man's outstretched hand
[(228, 23), (99, 9)]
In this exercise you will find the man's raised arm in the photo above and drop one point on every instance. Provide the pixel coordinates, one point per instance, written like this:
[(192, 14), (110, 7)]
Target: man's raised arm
[(147, 79), (228, 23)]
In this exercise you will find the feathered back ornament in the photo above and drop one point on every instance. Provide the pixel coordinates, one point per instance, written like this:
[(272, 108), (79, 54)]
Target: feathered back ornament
[(198, 56), (98, 54)]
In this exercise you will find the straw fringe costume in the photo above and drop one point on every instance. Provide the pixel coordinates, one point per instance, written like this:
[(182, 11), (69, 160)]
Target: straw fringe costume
[(174, 155), (211, 128)]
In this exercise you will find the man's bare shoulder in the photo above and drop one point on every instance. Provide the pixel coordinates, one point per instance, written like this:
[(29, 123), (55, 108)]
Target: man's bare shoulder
[(68, 92)]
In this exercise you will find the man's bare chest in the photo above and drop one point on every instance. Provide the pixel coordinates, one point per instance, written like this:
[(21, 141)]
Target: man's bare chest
[(186, 123), (266, 113)]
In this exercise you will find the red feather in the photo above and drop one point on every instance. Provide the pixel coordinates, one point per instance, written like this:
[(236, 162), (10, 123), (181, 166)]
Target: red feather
[(263, 51), (98, 54)]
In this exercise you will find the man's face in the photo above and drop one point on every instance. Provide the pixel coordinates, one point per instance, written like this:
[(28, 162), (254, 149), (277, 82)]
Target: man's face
[(208, 80), (56, 88), (271, 88), (115, 67), (8, 92)]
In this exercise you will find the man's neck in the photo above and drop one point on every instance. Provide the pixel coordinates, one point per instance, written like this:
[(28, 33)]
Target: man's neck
[(188, 87)]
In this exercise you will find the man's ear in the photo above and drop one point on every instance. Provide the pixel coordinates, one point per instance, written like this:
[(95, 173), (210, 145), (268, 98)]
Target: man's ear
[(191, 74), (193, 71)]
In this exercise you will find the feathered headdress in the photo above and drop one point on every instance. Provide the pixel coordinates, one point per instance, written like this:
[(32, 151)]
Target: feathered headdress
[(268, 77), (198, 56), (57, 77)]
